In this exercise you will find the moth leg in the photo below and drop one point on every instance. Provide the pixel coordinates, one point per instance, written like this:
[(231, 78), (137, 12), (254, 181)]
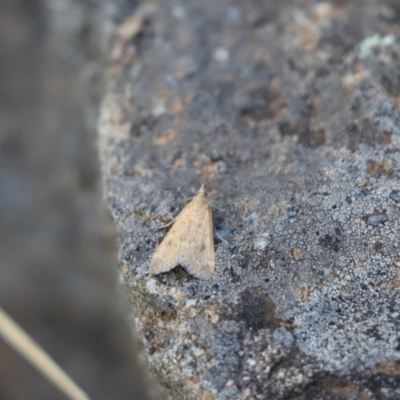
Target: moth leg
[(165, 226), (219, 237), (217, 208), (187, 199)]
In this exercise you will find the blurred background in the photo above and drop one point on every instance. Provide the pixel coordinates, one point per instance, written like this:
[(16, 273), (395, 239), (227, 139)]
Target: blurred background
[(58, 272)]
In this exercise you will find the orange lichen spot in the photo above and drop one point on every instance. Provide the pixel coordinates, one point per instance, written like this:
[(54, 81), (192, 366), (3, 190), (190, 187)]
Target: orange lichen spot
[(385, 139), (296, 253), (303, 292), (377, 169), (165, 137)]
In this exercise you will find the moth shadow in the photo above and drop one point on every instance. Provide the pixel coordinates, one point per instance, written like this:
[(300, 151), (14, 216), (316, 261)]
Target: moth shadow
[(177, 275)]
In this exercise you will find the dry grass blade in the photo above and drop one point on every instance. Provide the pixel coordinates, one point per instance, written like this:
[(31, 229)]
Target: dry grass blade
[(24, 345)]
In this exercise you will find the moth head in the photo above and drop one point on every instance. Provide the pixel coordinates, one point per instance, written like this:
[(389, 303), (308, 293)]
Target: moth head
[(202, 191)]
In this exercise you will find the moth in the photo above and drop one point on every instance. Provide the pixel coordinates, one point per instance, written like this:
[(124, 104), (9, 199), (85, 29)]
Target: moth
[(189, 243)]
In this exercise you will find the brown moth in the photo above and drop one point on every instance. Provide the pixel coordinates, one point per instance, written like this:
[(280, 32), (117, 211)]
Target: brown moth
[(189, 243)]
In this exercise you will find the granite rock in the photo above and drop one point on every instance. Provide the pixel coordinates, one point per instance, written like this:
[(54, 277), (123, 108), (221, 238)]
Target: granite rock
[(288, 112)]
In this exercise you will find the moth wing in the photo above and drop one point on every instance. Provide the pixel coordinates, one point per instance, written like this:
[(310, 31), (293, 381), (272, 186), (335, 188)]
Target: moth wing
[(167, 255), (189, 242), (197, 248)]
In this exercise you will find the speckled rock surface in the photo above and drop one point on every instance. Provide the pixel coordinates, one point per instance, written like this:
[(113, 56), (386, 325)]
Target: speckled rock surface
[(288, 113)]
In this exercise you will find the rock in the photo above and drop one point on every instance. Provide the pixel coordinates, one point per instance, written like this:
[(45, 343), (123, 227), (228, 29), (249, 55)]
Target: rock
[(305, 299)]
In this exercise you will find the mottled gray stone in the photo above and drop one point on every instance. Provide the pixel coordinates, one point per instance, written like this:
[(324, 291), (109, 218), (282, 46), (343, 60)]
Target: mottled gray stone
[(296, 136)]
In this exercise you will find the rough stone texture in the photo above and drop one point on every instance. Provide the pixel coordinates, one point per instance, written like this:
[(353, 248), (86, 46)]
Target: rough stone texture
[(288, 113), (57, 248)]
